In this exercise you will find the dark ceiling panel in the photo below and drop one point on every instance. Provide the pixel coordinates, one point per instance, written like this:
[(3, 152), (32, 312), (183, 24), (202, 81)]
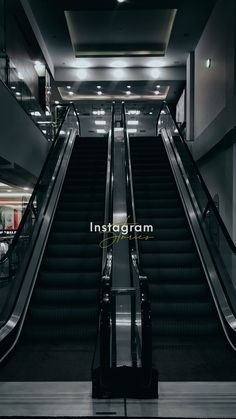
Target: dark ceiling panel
[(89, 32)]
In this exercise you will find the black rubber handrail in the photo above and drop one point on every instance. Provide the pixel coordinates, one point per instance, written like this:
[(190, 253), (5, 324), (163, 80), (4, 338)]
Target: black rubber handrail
[(106, 277), (30, 205), (211, 202)]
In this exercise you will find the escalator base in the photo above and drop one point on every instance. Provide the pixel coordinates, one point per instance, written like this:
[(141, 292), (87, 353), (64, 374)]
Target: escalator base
[(124, 382)]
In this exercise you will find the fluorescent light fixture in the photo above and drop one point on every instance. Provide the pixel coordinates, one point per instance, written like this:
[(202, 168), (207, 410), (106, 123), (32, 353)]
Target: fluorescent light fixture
[(208, 63), (155, 72), (100, 122), (26, 188), (133, 112), (99, 87), (118, 73), (99, 93), (118, 63), (40, 68), (133, 122), (44, 122), (71, 93), (36, 113), (157, 92), (82, 74), (128, 92), (121, 1), (101, 131), (8, 190), (132, 130), (98, 113), (14, 194), (68, 87)]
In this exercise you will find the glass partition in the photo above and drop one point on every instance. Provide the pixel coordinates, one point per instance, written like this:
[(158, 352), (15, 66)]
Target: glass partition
[(15, 248), (218, 239)]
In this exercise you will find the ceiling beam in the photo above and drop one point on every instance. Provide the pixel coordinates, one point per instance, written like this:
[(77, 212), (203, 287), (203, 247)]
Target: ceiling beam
[(119, 74)]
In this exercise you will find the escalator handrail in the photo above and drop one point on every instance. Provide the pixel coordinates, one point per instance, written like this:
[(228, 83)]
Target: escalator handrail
[(130, 195), (30, 205), (211, 202), (146, 354), (106, 275), (108, 213)]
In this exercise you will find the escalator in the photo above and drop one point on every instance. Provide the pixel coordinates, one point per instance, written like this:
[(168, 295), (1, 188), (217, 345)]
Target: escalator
[(188, 342), (59, 334)]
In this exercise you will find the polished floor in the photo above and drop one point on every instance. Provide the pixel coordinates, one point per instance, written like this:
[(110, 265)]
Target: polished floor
[(176, 400)]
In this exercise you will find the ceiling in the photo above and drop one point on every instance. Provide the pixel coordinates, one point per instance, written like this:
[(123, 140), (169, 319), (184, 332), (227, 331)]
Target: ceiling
[(136, 43)]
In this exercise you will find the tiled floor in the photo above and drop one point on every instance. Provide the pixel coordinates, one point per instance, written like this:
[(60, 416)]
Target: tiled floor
[(179, 400)]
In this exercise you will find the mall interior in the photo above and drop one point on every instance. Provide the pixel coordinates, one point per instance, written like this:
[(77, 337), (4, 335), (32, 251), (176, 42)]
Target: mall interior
[(117, 208)]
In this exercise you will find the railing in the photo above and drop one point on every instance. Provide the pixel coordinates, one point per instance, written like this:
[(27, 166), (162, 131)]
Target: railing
[(143, 329), (10, 262), (220, 244)]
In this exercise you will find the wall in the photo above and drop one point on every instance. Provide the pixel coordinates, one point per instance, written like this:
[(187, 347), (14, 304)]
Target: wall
[(214, 87), (217, 173), (19, 49), (21, 142), (214, 105)]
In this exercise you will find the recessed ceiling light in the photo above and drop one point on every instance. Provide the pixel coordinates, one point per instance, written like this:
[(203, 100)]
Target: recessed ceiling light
[(13, 87), (133, 112), (82, 74), (56, 102), (101, 131), (128, 92), (100, 122), (158, 86), (128, 87), (17, 93), (99, 93), (157, 92), (71, 93), (99, 87), (150, 113), (155, 73), (68, 87), (121, 1), (99, 112), (118, 73), (35, 113), (132, 130), (133, 122)]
